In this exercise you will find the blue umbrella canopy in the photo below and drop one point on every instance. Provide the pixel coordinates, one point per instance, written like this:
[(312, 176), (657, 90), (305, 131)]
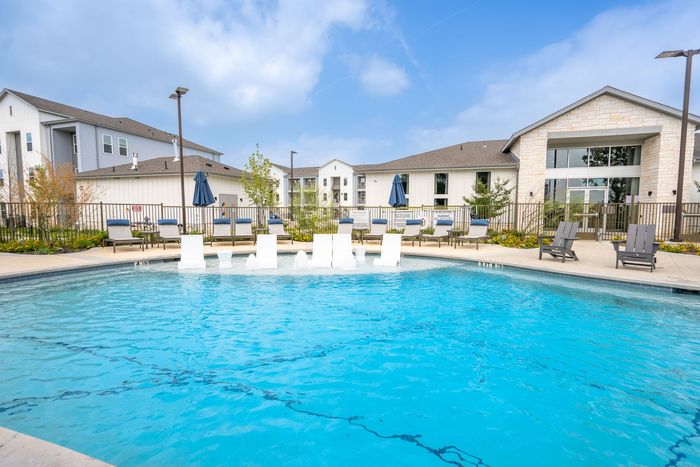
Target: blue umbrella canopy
[(397, 197), (202, 193)]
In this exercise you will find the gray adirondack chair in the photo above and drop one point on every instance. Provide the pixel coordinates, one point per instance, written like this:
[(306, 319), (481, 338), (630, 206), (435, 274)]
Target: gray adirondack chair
[(640, 247), (562, 242)]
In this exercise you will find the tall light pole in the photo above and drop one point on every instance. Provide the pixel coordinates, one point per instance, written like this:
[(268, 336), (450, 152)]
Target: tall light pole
[(688, 54), (177, 95), (291, 176)]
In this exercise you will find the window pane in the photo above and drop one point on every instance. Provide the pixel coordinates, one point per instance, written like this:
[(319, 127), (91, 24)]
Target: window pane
[(598, 157), (484, 178), (578, 157), (441, 184), (597, 182), (404, 182), (561, 159), (440, 201), (576, 182), (122, 147), (625, 155)]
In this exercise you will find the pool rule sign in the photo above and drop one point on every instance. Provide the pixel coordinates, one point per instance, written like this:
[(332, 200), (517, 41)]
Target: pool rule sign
[(360, 219)]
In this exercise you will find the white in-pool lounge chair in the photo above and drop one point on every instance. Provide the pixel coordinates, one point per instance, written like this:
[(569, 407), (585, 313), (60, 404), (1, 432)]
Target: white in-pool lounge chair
[(342, 252), (168, 231), (391, 251), (191, 252), (266, 251), (119, 233), (322, 256), (478, 231)]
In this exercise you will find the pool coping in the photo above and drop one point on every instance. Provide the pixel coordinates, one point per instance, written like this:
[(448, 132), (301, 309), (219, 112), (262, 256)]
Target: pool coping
[(644, 284)]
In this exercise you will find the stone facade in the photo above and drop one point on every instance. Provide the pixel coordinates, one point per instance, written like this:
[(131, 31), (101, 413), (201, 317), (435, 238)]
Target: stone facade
[(659, 159)]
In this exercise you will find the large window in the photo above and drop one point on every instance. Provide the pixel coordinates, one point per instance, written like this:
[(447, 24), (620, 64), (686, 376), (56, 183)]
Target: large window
[(602, 156), (441, 184), (484, 178), (30, 143), (440, 201), (404, 182), (107, 144), (123, 148), (618, 188)]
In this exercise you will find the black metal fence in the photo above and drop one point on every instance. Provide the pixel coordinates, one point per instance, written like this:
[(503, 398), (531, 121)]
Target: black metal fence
[(64, 222)]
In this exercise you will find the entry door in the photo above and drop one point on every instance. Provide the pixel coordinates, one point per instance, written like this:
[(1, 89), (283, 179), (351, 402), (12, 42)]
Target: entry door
[(584, 206)]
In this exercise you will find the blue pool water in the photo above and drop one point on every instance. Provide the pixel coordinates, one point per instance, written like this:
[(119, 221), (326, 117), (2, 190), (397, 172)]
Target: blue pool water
[(443, 363)]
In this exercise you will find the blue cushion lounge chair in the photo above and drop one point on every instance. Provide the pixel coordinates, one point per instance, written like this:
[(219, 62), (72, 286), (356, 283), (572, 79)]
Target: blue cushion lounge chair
[(222, 230), (640, 247), (412, 231), (377, 230), (276, 227), (119, 233), (168, 231), (243, 230), (440, 233), (562, 242), (478, 231)]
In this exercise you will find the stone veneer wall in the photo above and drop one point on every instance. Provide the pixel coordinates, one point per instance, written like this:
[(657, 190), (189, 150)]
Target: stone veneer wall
[(659, 164)]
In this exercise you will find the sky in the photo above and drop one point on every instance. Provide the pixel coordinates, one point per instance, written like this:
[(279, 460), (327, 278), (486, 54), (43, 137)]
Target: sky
[(364, 81)]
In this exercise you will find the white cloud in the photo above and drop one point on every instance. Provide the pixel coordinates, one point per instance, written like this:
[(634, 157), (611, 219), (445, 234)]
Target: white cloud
[(383, 78), (241, 59), (617, 48)]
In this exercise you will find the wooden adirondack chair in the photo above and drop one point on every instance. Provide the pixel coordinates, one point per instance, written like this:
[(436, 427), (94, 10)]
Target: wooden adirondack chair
[(640, 247), (562, 242)]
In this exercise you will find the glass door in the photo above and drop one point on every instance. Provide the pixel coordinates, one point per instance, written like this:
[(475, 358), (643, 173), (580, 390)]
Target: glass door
[(585, 207)]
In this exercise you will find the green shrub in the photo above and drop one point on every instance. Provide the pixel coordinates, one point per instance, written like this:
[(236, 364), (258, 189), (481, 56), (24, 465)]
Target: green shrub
[(54, 245), (683, 248), (514, 239)]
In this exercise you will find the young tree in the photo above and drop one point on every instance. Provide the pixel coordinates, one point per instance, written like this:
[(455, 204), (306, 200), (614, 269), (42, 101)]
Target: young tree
[(490, 202), (259, 185)]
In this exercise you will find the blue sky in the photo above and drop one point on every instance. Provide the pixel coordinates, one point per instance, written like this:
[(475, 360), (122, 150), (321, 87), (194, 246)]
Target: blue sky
[(361, 80)]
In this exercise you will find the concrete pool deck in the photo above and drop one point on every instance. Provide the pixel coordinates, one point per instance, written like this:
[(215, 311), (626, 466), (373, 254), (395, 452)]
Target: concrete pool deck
[(17, 449), (597, 260)]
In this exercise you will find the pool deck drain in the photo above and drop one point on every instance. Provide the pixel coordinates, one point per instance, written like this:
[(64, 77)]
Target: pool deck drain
[(675, 271)]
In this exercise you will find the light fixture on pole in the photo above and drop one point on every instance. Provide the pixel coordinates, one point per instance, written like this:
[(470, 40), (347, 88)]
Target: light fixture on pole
[(291, 176), (688, 54), (177, 95)]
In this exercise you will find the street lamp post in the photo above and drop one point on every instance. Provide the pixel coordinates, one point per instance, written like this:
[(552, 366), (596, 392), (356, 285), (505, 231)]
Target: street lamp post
[(291, 176), (177, 95), (688, 54)]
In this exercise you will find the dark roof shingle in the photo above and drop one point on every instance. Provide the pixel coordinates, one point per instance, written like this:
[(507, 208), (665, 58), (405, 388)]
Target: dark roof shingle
[(467, 155), (165, 166), (124, 124)]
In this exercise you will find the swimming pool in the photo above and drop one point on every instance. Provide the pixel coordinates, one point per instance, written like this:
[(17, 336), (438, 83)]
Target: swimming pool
[(444, 362)]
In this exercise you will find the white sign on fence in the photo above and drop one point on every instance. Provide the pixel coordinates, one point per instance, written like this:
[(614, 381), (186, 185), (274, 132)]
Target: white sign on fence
[(442, 214), (360, 219), (401, 216)]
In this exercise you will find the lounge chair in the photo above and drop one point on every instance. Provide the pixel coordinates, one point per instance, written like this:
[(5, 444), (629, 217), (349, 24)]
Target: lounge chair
[(376, 231), (266, 251), (222, 230), (243, 230), (412, 231), (440, 233), (342, 252), (478, 231), (562, 242), (119, 233), (276, 227), (168, 231), (391, 251), (192, 252), (640, 247), (345, 225), (322, 256)]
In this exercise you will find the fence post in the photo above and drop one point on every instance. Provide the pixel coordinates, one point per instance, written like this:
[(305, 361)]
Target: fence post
[(102, 216)]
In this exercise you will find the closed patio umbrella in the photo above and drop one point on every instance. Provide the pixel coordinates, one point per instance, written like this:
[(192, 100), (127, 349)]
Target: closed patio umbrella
[(397, 197), (202, 193)]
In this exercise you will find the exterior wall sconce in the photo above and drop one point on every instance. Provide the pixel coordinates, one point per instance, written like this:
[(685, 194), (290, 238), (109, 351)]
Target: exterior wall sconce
[(532, 194), (674, 192), (649, 193)]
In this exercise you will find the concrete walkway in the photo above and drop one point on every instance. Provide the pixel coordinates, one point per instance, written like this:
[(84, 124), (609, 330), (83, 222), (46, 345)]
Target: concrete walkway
[(21, 450), (597, 261)]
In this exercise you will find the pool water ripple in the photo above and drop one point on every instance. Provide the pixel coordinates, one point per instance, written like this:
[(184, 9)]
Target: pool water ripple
[(442, 363)]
